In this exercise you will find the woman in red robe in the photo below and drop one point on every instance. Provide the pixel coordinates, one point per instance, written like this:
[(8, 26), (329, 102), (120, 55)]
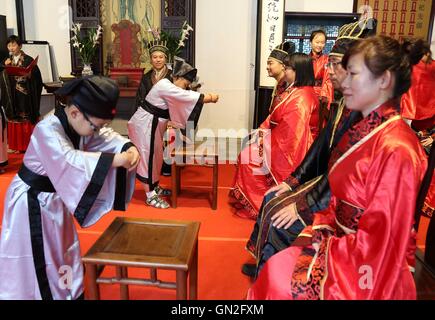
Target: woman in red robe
[(418, 104), (323, 88), (358, 247), (281, 142)]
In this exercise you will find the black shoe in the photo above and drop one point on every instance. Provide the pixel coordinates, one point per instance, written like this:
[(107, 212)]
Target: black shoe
[(166, 170), (249, 269)]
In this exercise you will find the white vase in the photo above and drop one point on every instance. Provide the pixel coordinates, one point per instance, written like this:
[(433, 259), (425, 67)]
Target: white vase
[(87, 70)]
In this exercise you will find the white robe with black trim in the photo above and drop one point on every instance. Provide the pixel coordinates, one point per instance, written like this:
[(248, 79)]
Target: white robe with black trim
[(183, 106), (85, 188)]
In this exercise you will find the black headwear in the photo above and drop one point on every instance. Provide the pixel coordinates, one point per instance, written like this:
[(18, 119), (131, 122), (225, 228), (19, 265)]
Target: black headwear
[(95, 95), (350, 33), (183, 69), (158, 45), (282, 51)]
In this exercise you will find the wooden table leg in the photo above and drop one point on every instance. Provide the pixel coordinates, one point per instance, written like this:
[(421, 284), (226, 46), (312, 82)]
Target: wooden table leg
[(193, 275), (215, 185), (122, 273), (178, 180), (93, 289), (153, 274), (181, 285), (174, 186)]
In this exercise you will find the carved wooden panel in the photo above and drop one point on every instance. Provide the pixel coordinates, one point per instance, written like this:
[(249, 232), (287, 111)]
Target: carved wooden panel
[(86, 12), (174, 13)]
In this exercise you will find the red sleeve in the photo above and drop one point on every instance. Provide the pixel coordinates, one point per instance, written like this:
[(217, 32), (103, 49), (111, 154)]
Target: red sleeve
[(291, 138), (378, 249)]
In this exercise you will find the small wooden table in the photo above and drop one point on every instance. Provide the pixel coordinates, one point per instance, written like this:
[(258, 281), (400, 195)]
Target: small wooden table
[(201, 154), (141, 243)]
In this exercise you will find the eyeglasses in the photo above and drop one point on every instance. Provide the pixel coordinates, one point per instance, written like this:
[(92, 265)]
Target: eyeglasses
[(332, 65), (94, 127)]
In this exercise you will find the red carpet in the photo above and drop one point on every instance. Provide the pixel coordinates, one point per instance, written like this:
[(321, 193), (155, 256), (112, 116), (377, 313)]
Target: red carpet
[(222, 235)]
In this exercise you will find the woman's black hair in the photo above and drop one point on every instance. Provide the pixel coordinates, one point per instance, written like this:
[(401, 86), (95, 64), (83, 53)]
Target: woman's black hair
[(316, 32), (415, 49), (15, 39), (302, 64)]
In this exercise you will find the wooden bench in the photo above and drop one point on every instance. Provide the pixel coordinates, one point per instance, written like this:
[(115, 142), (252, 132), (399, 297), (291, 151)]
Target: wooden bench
[(141, 243), (195, 154)]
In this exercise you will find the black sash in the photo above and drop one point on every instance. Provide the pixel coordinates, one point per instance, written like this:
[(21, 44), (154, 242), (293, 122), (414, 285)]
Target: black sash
[(37, 185), (157, 112)]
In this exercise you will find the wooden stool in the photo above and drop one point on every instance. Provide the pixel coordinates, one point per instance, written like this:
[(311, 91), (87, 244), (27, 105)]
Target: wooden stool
[(141, 243), (199, 154)]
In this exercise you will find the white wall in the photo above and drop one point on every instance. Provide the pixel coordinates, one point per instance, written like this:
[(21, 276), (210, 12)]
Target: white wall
[(50, 21), (225, 58), (7, 8), (336, 6)]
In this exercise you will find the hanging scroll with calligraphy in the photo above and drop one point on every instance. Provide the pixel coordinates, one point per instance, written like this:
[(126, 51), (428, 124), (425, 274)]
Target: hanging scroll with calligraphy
[(399, 18), (272, 24)]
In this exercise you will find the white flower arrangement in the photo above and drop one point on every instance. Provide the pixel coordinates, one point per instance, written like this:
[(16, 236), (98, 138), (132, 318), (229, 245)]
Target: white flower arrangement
[(86, 46)]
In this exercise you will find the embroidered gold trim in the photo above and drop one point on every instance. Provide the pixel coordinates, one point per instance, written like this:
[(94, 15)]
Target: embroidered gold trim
[(313, 182), (350, 204), (346, 230), (337, 120), (306, 235), (310, 268), (325, 277), (289, 188), (244, 196), (323, 226), (284, 100), (364, 140)]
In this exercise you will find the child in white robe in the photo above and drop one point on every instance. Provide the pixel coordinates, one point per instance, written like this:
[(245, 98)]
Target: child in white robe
[(75, 166), (166, 100)]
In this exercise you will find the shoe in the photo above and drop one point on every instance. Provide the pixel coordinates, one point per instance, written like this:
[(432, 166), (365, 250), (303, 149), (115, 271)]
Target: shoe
[(157, 202), (249, 269), (163, 192)]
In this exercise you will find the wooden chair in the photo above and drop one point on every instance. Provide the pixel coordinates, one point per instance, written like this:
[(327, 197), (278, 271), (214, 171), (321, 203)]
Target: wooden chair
[(141, 243), (126, 57), (195, 155)]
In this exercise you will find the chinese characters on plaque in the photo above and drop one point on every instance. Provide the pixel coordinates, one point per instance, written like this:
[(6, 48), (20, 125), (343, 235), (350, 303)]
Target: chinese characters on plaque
[(399, 18), (272, 24)]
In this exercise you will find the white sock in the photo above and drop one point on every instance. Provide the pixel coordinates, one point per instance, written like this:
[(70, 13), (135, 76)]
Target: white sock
[(151, 194)]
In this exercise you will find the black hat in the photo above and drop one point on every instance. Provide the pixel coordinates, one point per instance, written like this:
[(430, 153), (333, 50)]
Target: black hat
[(158, 45), (183, 69), (95, 95), (350, 33), (282, 51)]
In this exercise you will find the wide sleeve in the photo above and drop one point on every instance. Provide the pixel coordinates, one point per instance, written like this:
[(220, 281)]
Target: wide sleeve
[(184, 105), (35, 85), (119, 183), (291, 139), (369, 263), (78, 176)]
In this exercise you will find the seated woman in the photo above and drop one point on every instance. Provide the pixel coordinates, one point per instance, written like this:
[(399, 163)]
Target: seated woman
[(282, 141), (148, 125), (358, 247)]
